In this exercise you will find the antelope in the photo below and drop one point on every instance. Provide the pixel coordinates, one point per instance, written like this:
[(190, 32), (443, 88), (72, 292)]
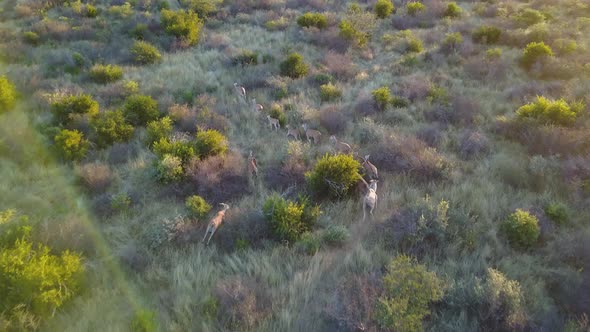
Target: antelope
[(215, 222), (274, 123), (311, 133), (370, 168), (240, 91), (370, 199), (256, 107), (340, 146), (252, 165), (292, 132)]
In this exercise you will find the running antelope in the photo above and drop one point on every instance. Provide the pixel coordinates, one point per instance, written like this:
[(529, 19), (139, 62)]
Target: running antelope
[(340, 146), (252, 165), (292, 132), (274, 123), (370, 199), (240, 91), (311, 133), (370, 168), (256, 107), (215, 222)]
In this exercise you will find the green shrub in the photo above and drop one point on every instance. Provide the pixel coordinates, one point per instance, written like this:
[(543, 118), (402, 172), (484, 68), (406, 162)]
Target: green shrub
[(145, 53), (182, 24), (383, 8), (91, 11), (139, 31), (414, 7), (111, 127), (382, 97), (557, 212), (202, 7), (210, 143), (144, 321), (409, 288), (308, 244), (534, 52), (522, 229), (452, 41), (357, 26), (246, 58), (277, 113), (334, 176), (140, 109), (486, 34), (317, 20), (565, 46), (453, 10), (71, 144), (158, 129), (106, 73), (294, 66), (7, 95), (169, 168), (329, 92), (323, 78), (399, 102), (493, 54), (197, 206), (529, 16), (64, 109), (414, 45), (31, 37), (184, 150), (336, 235), (557, 112), (121, 202), (279, 24), (289, 220)]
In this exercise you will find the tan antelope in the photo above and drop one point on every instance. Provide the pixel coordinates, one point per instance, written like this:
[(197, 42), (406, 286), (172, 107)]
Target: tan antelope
[(256, 107), (215, 222), (240, 91), (274, 123), (292, 132), (370, 168), (340, 146), (311, 133), (370, 199), (252, 165)]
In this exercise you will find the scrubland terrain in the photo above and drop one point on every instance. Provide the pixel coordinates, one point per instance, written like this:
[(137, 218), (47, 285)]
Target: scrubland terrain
[(121, 131)]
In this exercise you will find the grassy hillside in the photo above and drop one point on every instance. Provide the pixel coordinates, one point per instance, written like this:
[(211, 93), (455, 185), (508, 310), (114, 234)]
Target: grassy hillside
[(474, 113)]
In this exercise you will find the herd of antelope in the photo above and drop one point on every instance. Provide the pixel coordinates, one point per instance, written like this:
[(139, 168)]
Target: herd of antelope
[(369, 200)]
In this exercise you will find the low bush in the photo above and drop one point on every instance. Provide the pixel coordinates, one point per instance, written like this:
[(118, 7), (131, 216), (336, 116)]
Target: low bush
[(91, 11), (140, 109), (339, 65), (96, 176), (68, 107), (357, 26), (451, 42), (329, 92), (504, 306), (106, 73), (556, 112), (334, 176), (414, 45), (169, 168), (565, 46), (336, 235), (473, 144), (182, 24), (534, 52), (31, 38), (453, 10), (382, 97), (409, 290), (159, 129), (294, 66), (557, 212), (279, 24), (210, 143), (521, 229), (246, 58), (323, 78), (145, 53), (144, 321), (288, 219), (383, 8), (139, 31), (333, 120), (71, 144), (414, 7), (277, 112), (111, 128), (197, 206), (183, 149), (486, 34), (529, 16), (317, 20), (7, 95)]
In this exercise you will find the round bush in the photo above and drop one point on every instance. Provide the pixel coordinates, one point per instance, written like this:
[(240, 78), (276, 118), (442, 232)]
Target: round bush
[(329, 92), (71, 144), (31, 38), (336, 235), (91, 11), (522, 229), (246, 58), (145, 53), (182, 24), (210, 143), (289, 220), (169, 169), (453, 10), (534, 52), (383, 8), (158, 129), (106, 73), (184, 150), (294, 66), (317, 20), (140, 109), (486, 34), (530, 16), (334, 176), (69, 106), (414, 7), (382, 97), (7, 94), (414, 45), (197, 206), (557, 112), (111, 127), (277, 113), (557, 212)]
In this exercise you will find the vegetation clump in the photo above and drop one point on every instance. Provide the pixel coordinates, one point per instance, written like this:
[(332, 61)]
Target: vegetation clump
[(145, 53), (144, 321), (106, 73), (68, 107), (7, 94), (453, 10), (382, 97), (111, 127), (522, 229), (294, 66), (330, 92), (334, 176), (288, 219), (197, 206), (185, 25), (316, 20), (535, 51), (557, 212), (556, 112), (486, 34), (414, 7), (210, 143), (246, 58), (384, 8), (140, 109), (71, 144), (357, 26), (31, 38), (158, 129)]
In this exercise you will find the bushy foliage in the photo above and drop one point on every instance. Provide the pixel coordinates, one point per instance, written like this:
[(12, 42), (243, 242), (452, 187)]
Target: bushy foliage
[(529, 16), (357, 26), (565, 46), (111, 127), (197, 206), (451, 42), (91, 11), (317, 20), (414, 45), (557, 112), (294, 66), (414, 7), (409, 290), (486, 34), (210, 143), (308, 244), (246, 58), (534, 52), (183, 149), (504, 308), (453, 10), (106, 73), (159, 129), (182, 24), (334, 176), (382, 97), (7, 94), (31, 38), (276, 112), (202, 7), (557, 212), (280, 23), (140, 109), (384, 8), (169, 168), (522, 229), (71, 144), (145, 53), (288, 219), (336, 235), (64, 109), (329, 92), (144, 321)]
